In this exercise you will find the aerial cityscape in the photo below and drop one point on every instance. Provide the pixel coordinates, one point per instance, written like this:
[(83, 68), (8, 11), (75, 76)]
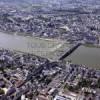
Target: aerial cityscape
[(49, 49)]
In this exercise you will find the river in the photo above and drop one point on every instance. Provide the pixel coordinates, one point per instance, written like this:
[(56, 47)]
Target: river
[(89, 56), (37, 46)]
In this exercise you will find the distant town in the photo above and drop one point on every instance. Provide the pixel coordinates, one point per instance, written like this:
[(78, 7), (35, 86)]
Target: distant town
[(76, 25)]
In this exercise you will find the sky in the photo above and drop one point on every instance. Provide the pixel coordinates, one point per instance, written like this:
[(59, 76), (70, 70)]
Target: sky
[(57, 2)]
